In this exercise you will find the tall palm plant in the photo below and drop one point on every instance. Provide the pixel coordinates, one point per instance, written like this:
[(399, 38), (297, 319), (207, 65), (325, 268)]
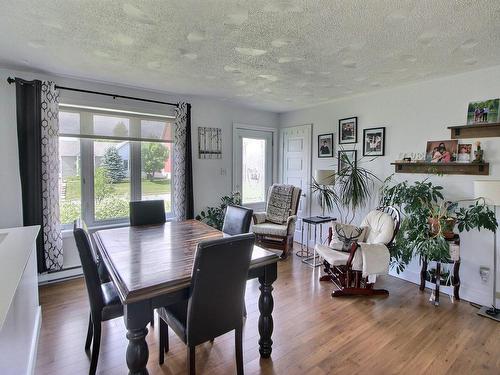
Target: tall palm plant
[(351, 191)]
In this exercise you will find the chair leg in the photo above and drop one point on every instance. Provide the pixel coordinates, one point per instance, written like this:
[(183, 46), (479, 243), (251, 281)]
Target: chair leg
[(191, 360), (238, 342), (90, 332), (95, 348)]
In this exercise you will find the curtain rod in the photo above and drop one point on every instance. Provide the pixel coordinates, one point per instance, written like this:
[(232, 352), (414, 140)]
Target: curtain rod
[(114, 96)]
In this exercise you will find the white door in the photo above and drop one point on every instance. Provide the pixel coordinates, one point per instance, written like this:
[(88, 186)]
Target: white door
[(296, 167), (252, 166)]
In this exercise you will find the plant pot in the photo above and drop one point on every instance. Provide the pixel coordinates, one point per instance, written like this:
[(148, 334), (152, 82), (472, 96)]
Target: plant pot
[(446, 228)]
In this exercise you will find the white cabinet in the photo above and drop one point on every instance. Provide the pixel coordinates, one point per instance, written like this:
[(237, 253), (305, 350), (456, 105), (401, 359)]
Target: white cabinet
[(20, 315)]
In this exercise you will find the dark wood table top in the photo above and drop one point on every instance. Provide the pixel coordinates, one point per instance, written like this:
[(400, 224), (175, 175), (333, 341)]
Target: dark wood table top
[(148, 261)]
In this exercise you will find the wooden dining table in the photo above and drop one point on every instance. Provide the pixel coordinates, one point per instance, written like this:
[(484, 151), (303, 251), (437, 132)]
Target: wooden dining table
[(151, 267)]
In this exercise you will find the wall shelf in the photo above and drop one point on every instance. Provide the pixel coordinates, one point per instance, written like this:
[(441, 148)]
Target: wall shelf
[(482, 169), (475, 131)]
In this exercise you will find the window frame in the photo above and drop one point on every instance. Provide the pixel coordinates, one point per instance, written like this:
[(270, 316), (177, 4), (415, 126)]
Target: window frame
[(86, 160)]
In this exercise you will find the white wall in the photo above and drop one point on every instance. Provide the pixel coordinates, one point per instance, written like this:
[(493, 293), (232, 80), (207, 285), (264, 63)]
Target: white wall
[(412, 115), (212, 178)]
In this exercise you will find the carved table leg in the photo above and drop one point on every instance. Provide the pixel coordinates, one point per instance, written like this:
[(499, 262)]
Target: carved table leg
[(137, 316), (266, 305)]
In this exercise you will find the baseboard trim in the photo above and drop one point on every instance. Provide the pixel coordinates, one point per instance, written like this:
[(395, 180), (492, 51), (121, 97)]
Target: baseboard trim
[(34, 342), (71, 273)]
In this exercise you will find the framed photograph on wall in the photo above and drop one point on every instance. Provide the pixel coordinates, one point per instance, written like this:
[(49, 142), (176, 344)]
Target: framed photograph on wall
[(325, 145), (486, 111), (374, 141), (345, 157), (348, 130)]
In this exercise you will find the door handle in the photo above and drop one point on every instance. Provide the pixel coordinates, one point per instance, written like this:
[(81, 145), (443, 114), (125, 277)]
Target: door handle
[(303, 195)]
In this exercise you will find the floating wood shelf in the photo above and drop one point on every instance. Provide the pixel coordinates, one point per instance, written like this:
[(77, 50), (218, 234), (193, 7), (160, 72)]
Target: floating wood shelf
[(442, 168), (475, 131)]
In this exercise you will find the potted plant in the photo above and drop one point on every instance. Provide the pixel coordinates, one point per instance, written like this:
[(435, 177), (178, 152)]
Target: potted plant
[(429, 220), (214, 216), (352, 188)]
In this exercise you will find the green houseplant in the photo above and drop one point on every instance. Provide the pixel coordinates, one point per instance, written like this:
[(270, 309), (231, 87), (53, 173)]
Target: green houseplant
[(214, 216), (352, 188), (428, 219)]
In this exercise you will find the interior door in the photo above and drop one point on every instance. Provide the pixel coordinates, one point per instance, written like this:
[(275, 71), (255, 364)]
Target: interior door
[(252, 166), (296, 167)]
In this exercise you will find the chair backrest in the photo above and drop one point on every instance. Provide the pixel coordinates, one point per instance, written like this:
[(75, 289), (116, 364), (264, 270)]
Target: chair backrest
[(396, 216), (147, 212), (89, 266), (382, 224), (218, 283), (295, 199), (237, 220)]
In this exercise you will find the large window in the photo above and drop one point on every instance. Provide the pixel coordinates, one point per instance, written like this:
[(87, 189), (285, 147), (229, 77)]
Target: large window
[(108, 158)]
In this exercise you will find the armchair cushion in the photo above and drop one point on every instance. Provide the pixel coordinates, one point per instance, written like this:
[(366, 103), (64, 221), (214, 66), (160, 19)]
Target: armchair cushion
[(380, 227), (271, 229), (259, 217), (279, 203), (338, 257)]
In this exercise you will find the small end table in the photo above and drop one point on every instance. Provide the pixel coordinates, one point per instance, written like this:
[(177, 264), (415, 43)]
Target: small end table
[(455, 280), (305, 253)]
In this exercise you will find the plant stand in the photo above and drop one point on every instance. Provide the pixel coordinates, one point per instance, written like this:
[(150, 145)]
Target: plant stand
[(455, 281)]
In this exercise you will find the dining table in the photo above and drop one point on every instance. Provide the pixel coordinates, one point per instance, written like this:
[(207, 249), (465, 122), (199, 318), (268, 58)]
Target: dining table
[(151, 267)]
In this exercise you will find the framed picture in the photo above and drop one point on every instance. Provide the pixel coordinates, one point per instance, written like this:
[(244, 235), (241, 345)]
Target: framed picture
[(348, 130), (464, 153), (209, 143), (483, 112), (325, 145), (345, 156), (374, 141), (441, 151)]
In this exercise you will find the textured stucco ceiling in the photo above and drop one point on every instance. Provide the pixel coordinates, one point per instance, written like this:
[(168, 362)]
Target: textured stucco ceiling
[(277, 55)]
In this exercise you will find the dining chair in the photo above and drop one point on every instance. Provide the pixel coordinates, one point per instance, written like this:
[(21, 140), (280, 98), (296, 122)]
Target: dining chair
[(103, 298), (237, 220), (214, 305), (147, 212)]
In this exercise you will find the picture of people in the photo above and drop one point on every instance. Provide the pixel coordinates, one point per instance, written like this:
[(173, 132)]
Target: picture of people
[(348, 130), (442, 151), (464, 152), (374, 142), (483, 112), (325, 145)]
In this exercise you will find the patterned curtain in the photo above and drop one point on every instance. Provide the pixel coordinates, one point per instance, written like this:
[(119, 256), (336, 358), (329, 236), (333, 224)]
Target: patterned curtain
[(52, 240), (183, 170)]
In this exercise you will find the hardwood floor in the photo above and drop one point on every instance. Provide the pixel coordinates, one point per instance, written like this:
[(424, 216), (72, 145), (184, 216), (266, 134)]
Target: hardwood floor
[(313, 333)]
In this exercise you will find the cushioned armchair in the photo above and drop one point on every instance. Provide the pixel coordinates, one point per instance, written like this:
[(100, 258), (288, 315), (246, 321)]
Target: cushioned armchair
[(355, 256), (275, 227)]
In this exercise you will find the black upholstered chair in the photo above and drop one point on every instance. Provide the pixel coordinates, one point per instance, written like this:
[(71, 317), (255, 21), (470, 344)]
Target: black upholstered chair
[(147, 212), (237, 220), (104, 301), (220, 265)]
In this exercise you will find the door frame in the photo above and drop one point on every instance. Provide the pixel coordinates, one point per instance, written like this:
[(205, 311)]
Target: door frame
[(281, 157), (274, 151)]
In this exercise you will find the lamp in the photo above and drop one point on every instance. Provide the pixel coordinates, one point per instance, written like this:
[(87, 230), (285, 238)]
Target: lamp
[(490, 191), (325, 178)]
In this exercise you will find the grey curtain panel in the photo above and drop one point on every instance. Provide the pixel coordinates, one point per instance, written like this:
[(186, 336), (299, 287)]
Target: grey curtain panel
[(183, 164), (37, 131)]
